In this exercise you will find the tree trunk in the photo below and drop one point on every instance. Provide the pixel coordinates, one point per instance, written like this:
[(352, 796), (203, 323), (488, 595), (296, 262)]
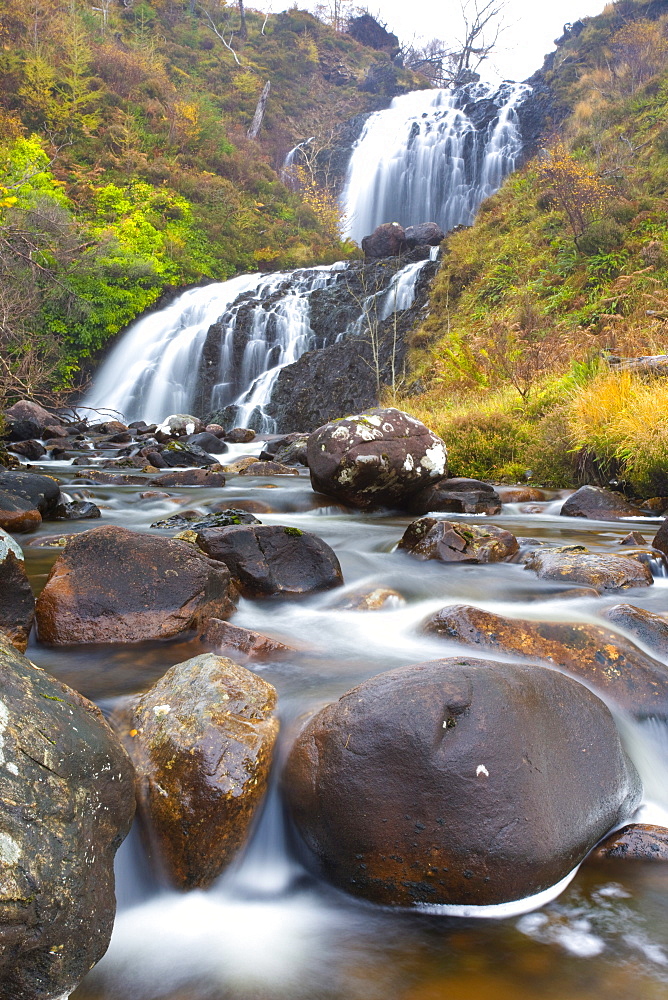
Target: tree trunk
[(259, 112), (244, 27)]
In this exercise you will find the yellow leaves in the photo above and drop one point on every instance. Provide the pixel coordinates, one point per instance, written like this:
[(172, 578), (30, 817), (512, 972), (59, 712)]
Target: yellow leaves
[(266, 254), (577, 189), (322, 203)]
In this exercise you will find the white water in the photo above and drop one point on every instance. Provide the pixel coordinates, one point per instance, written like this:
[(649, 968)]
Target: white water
[(423, 160)]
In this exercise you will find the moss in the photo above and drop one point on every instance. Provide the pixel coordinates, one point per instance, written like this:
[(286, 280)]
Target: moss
[(293, 532)]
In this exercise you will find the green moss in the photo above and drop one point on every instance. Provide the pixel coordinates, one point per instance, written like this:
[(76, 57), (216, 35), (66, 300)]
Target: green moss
[(293, 532)]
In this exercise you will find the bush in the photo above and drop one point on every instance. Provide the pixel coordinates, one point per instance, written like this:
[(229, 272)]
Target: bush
[(601, 237)]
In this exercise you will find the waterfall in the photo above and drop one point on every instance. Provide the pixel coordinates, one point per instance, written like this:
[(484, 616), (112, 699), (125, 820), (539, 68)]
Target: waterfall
[(433, 156), (223, 345)]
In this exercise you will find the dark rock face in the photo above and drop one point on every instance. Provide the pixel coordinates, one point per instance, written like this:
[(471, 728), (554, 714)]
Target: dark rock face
[(25, 410), (660, 541), (607, 661), (604, 572), (636, 842), (427, 234), (648, 628), (458, 781), (66, 804), (198, 522), (114, 585), (598, 504), (25, 499), (32, 450), (210, 443), (78, 510), (457, 496), (222, 635), (193, 477), (268, 469), (446, 541), (387, 240), (271, 559), (201, 741), (366, 30), (383, 456), (288, 450), (17, 604)]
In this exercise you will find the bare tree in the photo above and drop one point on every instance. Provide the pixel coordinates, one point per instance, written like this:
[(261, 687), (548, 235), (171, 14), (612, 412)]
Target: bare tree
[(448, 66), (220, 34), (243, 31)]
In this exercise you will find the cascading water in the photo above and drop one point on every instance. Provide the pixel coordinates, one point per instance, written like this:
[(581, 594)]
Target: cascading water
[(428, 158)]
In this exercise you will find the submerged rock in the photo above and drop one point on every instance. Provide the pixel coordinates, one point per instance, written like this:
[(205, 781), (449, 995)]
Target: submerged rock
[(272, 559), (606, 661), (17, 604), (201, 741), (377, 599), (576, 565), (193, 477), (382, 457), (598, 504), (113, 585), (431, 538), (66, 804), (458, 781), (636, 842), (648, 628), (223, 635), (198, 522)]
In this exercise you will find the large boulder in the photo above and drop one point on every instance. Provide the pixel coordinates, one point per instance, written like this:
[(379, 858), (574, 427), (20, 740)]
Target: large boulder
[(427, 234), (17, 604), (660, 540), (28, 415), (575, 564), (382, 457), (26, 498), (448, 541), (388, 240), (458, 781), (647, 627), (598, 504), (115, 585), (272, 559), (66, 804), (456, 496), (201, 740), (604, 660)]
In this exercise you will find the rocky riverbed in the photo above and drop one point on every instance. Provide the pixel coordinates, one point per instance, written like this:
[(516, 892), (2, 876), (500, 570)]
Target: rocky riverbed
[(478, 650)]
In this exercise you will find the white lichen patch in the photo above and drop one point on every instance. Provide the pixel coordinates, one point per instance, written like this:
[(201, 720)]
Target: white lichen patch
[(340, 434), (481, 770), (376, 421), (162, 710), (409, 463), (367, 433), (12, 768), (10, 852), (7, 545), (434, 460), (4, 716)]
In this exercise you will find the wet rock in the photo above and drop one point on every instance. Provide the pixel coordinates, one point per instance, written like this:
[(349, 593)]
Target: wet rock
[(378, 599), (655, 505), (32, 450), (33, 412), (598, 504), (124, 437), (208, 442), (113, 585), (577, 565), (387, 240), (92, 476), (458, 781), (457, 496), (288, 450), (659, 542), (196, 521), (427, 234), (17, 604), (224, 636), (25, 499), (430, 538), (66, 804), (268, 469), (634, 538), (247, 506), (78, 510), (240, 435), (236, 468), (648, 628), (193, 477), (216, 429), (520, 494), (636, 842), (180, 424), (382, 457), (201, 741), (272, 559), (112, 427), (613, 665), (176, 455)]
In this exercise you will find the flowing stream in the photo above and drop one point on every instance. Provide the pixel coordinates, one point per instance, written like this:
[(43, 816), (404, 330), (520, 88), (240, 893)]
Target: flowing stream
[(268, 930)]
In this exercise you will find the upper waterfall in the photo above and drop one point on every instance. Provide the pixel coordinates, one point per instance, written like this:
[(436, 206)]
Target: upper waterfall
[(433, 156)]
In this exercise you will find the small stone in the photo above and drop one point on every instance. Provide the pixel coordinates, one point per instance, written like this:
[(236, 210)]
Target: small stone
[(221, 635)]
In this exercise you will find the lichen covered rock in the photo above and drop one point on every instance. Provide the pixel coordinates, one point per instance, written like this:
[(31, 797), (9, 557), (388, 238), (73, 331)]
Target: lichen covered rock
[(17, 604), (447, 541)]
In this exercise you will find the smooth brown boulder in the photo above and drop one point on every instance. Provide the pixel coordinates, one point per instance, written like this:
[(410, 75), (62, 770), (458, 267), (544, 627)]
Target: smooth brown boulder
[(636, 842), (660, 540), (26, 498), (256, 646), (593, 569), (66, 804), (387, 240), (268, 469), (27, 410), (115, 585), (605, 660), (520, 494), (648, 628), (381, 457), (597, 504), (458, 781), (17, 604), (457, 496), (201, 741), (272, 559), (447, 541), (240, 435)]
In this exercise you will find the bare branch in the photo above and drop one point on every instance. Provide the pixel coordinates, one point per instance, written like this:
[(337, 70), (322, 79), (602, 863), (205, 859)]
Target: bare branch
[(219, 34)]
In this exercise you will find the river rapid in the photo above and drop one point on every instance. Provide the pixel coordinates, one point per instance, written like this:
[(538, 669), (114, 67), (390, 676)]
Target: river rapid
[(269, 930)]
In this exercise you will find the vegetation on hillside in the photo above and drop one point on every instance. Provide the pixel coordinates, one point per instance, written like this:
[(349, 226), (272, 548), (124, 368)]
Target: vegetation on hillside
[(565, 267), (125, 165)]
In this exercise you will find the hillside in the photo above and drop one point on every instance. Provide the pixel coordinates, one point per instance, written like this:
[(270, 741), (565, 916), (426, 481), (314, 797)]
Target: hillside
[(125, 166), (565, 270)]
